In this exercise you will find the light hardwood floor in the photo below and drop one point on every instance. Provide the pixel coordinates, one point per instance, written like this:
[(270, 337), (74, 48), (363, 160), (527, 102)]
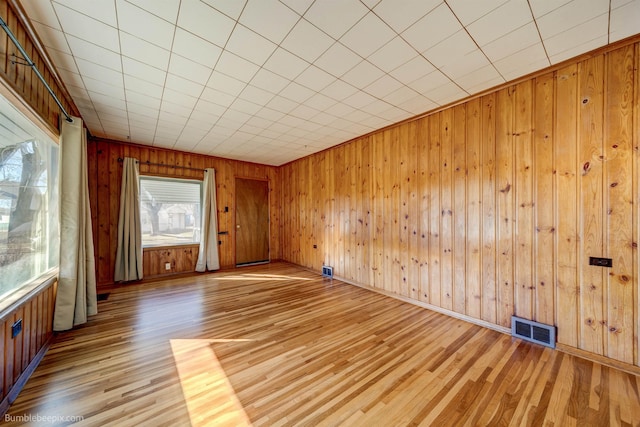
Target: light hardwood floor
[(278, 345)]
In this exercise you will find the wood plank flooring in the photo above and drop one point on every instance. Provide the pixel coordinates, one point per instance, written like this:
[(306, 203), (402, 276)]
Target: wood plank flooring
[(278, 345)]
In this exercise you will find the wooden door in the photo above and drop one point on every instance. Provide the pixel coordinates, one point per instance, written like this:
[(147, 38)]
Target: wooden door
[(252, 221)]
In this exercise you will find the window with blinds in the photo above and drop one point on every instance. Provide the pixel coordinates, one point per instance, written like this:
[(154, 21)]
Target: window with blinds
[(170, 211)]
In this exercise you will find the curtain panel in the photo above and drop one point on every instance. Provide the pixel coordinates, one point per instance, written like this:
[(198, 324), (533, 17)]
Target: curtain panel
[(208, 258), (76, 293), (129, 250)]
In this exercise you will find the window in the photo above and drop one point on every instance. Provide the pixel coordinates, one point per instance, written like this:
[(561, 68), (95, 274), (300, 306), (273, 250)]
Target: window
[(170, 211), (29, 216)]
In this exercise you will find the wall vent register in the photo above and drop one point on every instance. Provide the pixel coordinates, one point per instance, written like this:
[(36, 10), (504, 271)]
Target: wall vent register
[(533, 331)]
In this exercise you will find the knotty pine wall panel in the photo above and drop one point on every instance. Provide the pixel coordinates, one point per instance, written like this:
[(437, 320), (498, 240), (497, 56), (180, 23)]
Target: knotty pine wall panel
[(492, 207), (105, 176), (37, 329)]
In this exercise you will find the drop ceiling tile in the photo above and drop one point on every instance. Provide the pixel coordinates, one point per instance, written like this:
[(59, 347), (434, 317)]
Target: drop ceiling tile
[(392, 55), (148, 124), (480, 78), (99, 86), (359, 99), (245, 106), (523, 62), (108, 111), (323, 118), (401, 15), (230, 8), (52, 38), (155, 30), (63, 61), (98, 72), (320, 102), (335, 18), (584, 46), (340, 110), (368, 35), (362, 75), (339, 90), (206, 22), (571, 15), (269, 81), (563, 44), (259, 122), (370, 3), (103, 11), (543, 7), (176, 97), (207, 111), (134, 84), (173, 113), (195, 48), (503, 20), (396, 114), (337, 60), (383, 86), (143, 51), (430, 30), (356, 116), (256, 95), (286, 64), (473, 60), (189, 70), (141, 99), (226, 84), (400, 95), (86, 28), (217, 97), (624, 20), (184, 86), (451, 49), (143, 111), (239, 68), (281, 104), (165, 9), (250, 45), (429, 82), (446, 93), (299, 6), (413, 69), (42, 12), (314, 78), (270, 114), (296, 92), (470, 11), (418, 105), (270, 18), (306, 41), (523, 37), (143, 71)]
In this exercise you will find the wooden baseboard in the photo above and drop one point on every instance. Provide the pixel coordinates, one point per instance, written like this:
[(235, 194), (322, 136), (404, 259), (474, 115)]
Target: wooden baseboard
[(626, 367), (23, 378)]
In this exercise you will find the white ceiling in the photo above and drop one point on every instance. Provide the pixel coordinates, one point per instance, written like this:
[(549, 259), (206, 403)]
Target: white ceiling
[(270, 81)]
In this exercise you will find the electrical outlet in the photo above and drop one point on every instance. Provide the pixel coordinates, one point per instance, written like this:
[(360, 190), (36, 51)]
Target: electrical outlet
[(16, 328), (167, 266)]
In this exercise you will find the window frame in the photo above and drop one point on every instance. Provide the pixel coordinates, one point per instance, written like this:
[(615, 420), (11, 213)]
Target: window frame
[(199, 182)]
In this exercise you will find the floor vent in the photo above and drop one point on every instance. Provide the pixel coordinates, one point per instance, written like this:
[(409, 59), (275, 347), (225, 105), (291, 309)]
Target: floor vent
[(102, 297), (327, 271), (533, 331)]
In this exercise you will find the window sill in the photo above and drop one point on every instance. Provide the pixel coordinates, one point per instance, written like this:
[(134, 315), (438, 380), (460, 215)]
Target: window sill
[(25, 293), (184, 245)]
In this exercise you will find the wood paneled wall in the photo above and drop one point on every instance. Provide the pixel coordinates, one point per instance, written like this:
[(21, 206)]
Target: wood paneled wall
[(493, 207), (105, 175), (21, 78), (17, 353)]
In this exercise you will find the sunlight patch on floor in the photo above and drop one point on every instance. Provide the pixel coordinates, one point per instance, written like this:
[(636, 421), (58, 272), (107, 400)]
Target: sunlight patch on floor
[(263, 277), (210, 397)]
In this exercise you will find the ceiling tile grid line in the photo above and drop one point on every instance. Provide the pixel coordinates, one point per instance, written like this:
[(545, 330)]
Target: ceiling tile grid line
[(270, 81)]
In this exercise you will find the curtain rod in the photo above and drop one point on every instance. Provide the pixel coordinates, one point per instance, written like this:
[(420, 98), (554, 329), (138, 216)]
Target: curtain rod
[(120, 160), (31, 64)]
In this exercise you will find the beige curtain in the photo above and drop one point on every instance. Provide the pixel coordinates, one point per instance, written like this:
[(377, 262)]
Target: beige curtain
[(208, 255), (129, 250), (76, 294)]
